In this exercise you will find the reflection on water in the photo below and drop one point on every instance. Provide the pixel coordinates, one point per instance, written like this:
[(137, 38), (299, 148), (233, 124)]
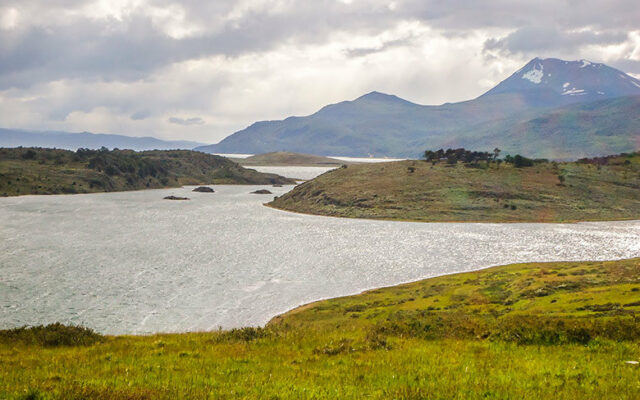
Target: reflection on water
[(131, 262)]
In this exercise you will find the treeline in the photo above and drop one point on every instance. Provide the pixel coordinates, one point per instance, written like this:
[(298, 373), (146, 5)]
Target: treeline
[(622, 158), (453, 156)]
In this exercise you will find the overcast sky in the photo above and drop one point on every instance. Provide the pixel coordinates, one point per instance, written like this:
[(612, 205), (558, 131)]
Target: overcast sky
[(202, 69)]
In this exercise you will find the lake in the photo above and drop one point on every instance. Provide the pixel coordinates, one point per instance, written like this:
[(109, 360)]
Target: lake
[(131, 262)]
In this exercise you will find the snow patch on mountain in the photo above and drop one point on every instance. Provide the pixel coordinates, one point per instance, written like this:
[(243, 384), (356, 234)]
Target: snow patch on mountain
[(535, 75), (566, 85), (574, 92), (585, 63)]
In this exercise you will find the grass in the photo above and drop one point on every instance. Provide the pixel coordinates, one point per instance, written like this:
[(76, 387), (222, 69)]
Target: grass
[(51, 171), (526, 331), (420, 191), (284, 158)]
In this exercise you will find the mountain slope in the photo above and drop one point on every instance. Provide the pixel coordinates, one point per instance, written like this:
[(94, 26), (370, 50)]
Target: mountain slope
[(602, 127), (385, 125), (565, 82), (87, 140)]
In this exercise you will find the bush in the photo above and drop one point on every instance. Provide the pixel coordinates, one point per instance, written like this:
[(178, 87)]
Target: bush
[(52, 335), (29, 155), (521, 162), (525, 330), (243, 334)]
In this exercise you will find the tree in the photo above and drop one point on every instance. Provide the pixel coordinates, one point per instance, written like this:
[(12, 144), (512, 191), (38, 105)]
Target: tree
[(561, 178), (519, 161), (496, 153)]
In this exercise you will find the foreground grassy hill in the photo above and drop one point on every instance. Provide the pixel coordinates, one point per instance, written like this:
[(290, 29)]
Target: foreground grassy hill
[(525, 331), (598, 189), (51, 171), (285, 158)]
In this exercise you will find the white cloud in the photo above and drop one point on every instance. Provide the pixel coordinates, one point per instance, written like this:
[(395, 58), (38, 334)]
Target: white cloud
[(130, 66)]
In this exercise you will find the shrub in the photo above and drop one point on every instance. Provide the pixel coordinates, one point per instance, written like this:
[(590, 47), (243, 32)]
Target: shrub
[(29, 155), (243, 334), (52, 335), (521, 162)]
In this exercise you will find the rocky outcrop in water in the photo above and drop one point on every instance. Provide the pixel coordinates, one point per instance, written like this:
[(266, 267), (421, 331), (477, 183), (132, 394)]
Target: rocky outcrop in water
[(261, 191), (175, 198), (203, 189)]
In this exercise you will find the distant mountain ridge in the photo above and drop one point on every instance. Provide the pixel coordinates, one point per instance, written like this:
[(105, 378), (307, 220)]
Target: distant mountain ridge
[(386, 125), (74, 141)]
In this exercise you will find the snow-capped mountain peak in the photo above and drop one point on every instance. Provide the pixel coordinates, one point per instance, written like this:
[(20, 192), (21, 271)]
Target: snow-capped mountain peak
[(550, 82)]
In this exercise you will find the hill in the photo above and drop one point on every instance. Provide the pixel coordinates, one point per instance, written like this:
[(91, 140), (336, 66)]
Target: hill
[(575, 131), (420, 191), (284, 158), (49, 171), (386, 125), (544, 330), (87, 140)]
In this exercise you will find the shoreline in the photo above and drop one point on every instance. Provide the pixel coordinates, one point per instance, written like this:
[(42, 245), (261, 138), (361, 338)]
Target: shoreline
[(567, 222)]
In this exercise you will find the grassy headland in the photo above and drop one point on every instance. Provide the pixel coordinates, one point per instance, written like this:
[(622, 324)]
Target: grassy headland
[(527, 331), (285, 158), (52, 171), (597, 189)]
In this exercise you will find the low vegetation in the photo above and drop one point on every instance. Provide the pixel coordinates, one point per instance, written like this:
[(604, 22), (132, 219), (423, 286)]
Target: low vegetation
[(52, 171), (285, 158), (52, 335), (565, 330), (459, 185)]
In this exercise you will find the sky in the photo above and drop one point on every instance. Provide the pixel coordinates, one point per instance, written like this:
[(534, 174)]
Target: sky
[(201, 70)]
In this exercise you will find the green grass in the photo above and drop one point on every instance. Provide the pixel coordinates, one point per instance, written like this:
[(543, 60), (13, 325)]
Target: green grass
[(420, 191), (526, 331), (51, 171)]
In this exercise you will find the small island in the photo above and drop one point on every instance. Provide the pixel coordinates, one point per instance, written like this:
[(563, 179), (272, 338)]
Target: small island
[(175, 198), (286, 159), (261, 191)]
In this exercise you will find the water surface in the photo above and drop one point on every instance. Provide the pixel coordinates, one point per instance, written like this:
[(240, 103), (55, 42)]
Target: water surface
[(131, 262)]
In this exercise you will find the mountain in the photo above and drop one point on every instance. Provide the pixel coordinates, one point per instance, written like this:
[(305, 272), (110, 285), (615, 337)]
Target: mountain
[(564, 82), (386, 125), (610, 126), (74, 141)]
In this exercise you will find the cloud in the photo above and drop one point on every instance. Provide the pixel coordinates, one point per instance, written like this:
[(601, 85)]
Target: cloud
[(136, 66), (187, 121), (140, 115), (540, 39)]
